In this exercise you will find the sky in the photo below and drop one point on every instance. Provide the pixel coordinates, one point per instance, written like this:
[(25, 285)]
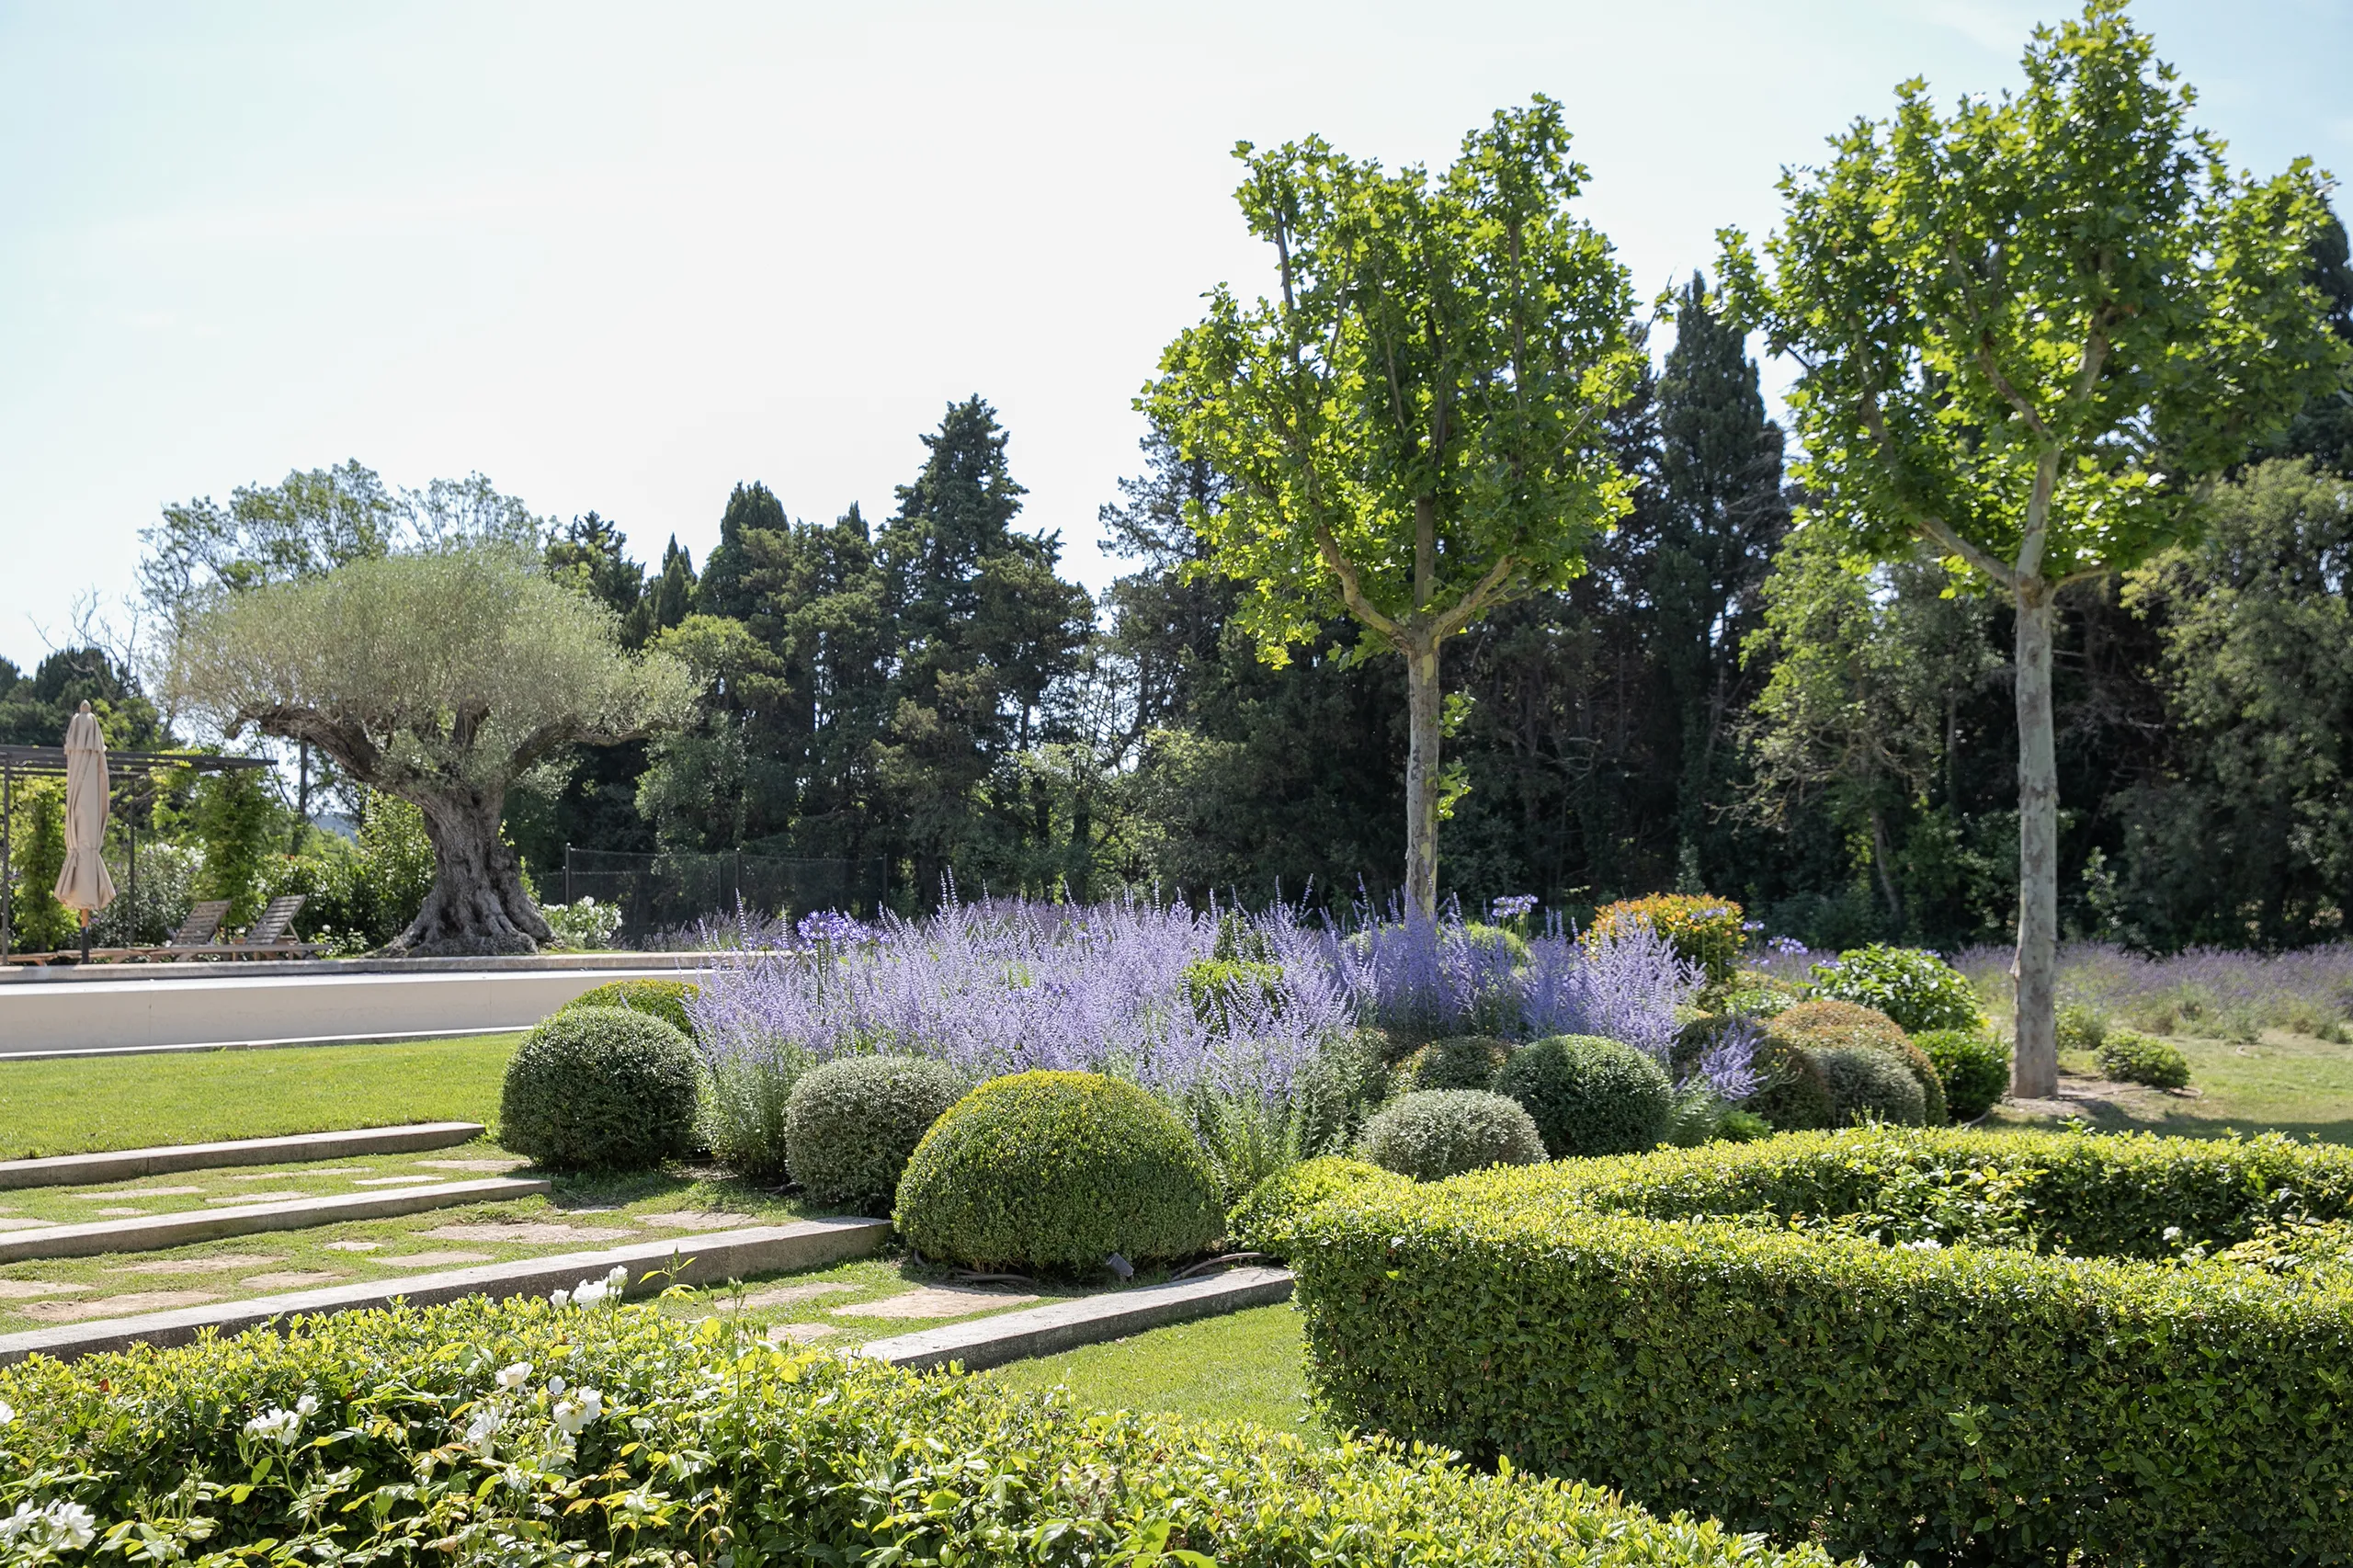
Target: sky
[(620, 258)]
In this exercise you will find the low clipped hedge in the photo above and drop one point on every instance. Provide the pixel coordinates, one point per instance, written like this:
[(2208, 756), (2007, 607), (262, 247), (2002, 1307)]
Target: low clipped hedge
[(709, 1442), (663, 999), (1262, 1221), (1057, 1171), (852, 1125), (600, 1089), (1643, 1322)]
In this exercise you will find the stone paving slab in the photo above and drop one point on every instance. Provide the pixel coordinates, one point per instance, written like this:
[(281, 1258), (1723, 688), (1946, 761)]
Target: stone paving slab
[(126, 1164), (146, 1233), (705, 1259), (1065, 1326)]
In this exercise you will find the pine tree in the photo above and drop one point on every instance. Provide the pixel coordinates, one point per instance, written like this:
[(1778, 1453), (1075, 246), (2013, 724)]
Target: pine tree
[(673, 596), (722, 591)]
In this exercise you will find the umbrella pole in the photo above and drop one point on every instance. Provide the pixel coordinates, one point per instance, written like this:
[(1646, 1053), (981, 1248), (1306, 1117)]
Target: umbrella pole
[(86, 936)]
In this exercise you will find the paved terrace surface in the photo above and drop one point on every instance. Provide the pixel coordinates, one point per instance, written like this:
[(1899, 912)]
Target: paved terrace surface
[(121, 1008)]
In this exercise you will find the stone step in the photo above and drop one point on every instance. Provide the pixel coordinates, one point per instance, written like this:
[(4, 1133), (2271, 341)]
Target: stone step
[(1065, 1326), (128, 1165), (148, 1232), (701, 1260)]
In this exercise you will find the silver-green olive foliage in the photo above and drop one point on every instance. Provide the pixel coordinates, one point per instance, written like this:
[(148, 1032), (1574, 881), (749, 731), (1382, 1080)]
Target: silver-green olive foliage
[(1414, 423), (2027, 330), (439, 675)]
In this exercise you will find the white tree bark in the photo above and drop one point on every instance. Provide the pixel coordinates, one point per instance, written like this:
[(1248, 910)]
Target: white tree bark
[(2034, 1069)]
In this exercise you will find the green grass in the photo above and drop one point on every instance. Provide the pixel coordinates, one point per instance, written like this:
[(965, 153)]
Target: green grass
[(82, 1105), (2282, 1082), (1248, 1366)]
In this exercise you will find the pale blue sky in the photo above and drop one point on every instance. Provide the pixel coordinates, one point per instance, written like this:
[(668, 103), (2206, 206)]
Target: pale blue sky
[(621, 257)]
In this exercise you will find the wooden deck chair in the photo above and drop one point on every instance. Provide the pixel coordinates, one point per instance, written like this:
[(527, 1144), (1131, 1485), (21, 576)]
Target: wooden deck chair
[(269, 936), (195, 933)]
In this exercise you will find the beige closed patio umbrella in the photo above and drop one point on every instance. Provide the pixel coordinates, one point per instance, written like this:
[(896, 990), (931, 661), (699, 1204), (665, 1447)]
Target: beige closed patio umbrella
[(85, 883)]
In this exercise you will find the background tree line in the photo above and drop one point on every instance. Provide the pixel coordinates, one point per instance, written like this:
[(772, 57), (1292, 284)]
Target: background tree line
[(1716, 702)]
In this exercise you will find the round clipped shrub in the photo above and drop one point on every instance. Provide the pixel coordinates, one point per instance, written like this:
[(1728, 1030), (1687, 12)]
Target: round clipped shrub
[(663, 999), (1589, 1096), (1915, 987), (599, 1089), (1262, 1221), (1826, 1022), (852, 1124), (2139, 1059), (1436, 1133), (1793, 1095), (1869, 1085), (1973, 1066), (1458, 1062), (1057, 1171)]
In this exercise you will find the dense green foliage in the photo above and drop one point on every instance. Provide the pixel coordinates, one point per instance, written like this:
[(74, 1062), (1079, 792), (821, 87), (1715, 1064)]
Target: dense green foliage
[(2140, 1059), (1946, 1403), (1262, 1221), (1432, 1134), (1869, 1086), (704, 1442), (663, 999), (1825, 1023), (1973, 1066), (1916, 989), (1589, 1096), (1057, 1171), (852, 1125), (1458, 1062), (600, 1089)]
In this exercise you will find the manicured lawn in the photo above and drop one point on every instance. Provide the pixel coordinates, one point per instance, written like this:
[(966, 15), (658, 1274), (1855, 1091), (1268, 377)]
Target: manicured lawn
[(2282, 1082), (79, 1106), (1248, 1366)]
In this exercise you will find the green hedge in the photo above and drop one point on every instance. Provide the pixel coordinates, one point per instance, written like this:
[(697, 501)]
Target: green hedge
[(710, 1441), (1635, 1322)]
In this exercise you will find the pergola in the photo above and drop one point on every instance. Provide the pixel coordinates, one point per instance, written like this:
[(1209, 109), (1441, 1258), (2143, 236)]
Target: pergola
[(136, 769)]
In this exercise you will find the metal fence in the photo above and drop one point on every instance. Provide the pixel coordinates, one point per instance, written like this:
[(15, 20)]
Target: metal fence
[(662, 893)]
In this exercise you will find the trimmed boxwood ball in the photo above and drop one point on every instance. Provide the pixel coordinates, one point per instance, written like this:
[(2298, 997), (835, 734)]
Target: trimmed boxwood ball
[(1973, 1065), (1589, 1096), (1794, 1098), (1826, 1022), (663, 999), (600, 1089), (1057, 1171), (1262, 1221), (1434, 1133), (852, 1124), (1458, 1062), (1869, 1085)]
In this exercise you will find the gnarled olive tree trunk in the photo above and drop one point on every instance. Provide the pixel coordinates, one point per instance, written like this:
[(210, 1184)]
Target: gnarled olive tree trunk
[(477, 905)]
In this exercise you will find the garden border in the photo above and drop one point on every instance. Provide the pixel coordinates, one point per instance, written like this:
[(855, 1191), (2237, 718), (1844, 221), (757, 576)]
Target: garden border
[(1090, 1320), (148, 1232)]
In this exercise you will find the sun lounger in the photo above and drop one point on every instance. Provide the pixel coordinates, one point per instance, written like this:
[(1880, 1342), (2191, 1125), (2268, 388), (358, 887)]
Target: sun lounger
[(195, 934), (270, 934)]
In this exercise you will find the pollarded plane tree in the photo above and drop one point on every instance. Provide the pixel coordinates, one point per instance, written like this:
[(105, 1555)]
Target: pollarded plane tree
[(1413, 425), (2028, 332)]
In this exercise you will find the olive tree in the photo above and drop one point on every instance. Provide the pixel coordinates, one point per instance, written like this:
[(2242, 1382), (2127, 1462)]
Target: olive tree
[(2028, 331), (1412, 425), (439, 675)]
